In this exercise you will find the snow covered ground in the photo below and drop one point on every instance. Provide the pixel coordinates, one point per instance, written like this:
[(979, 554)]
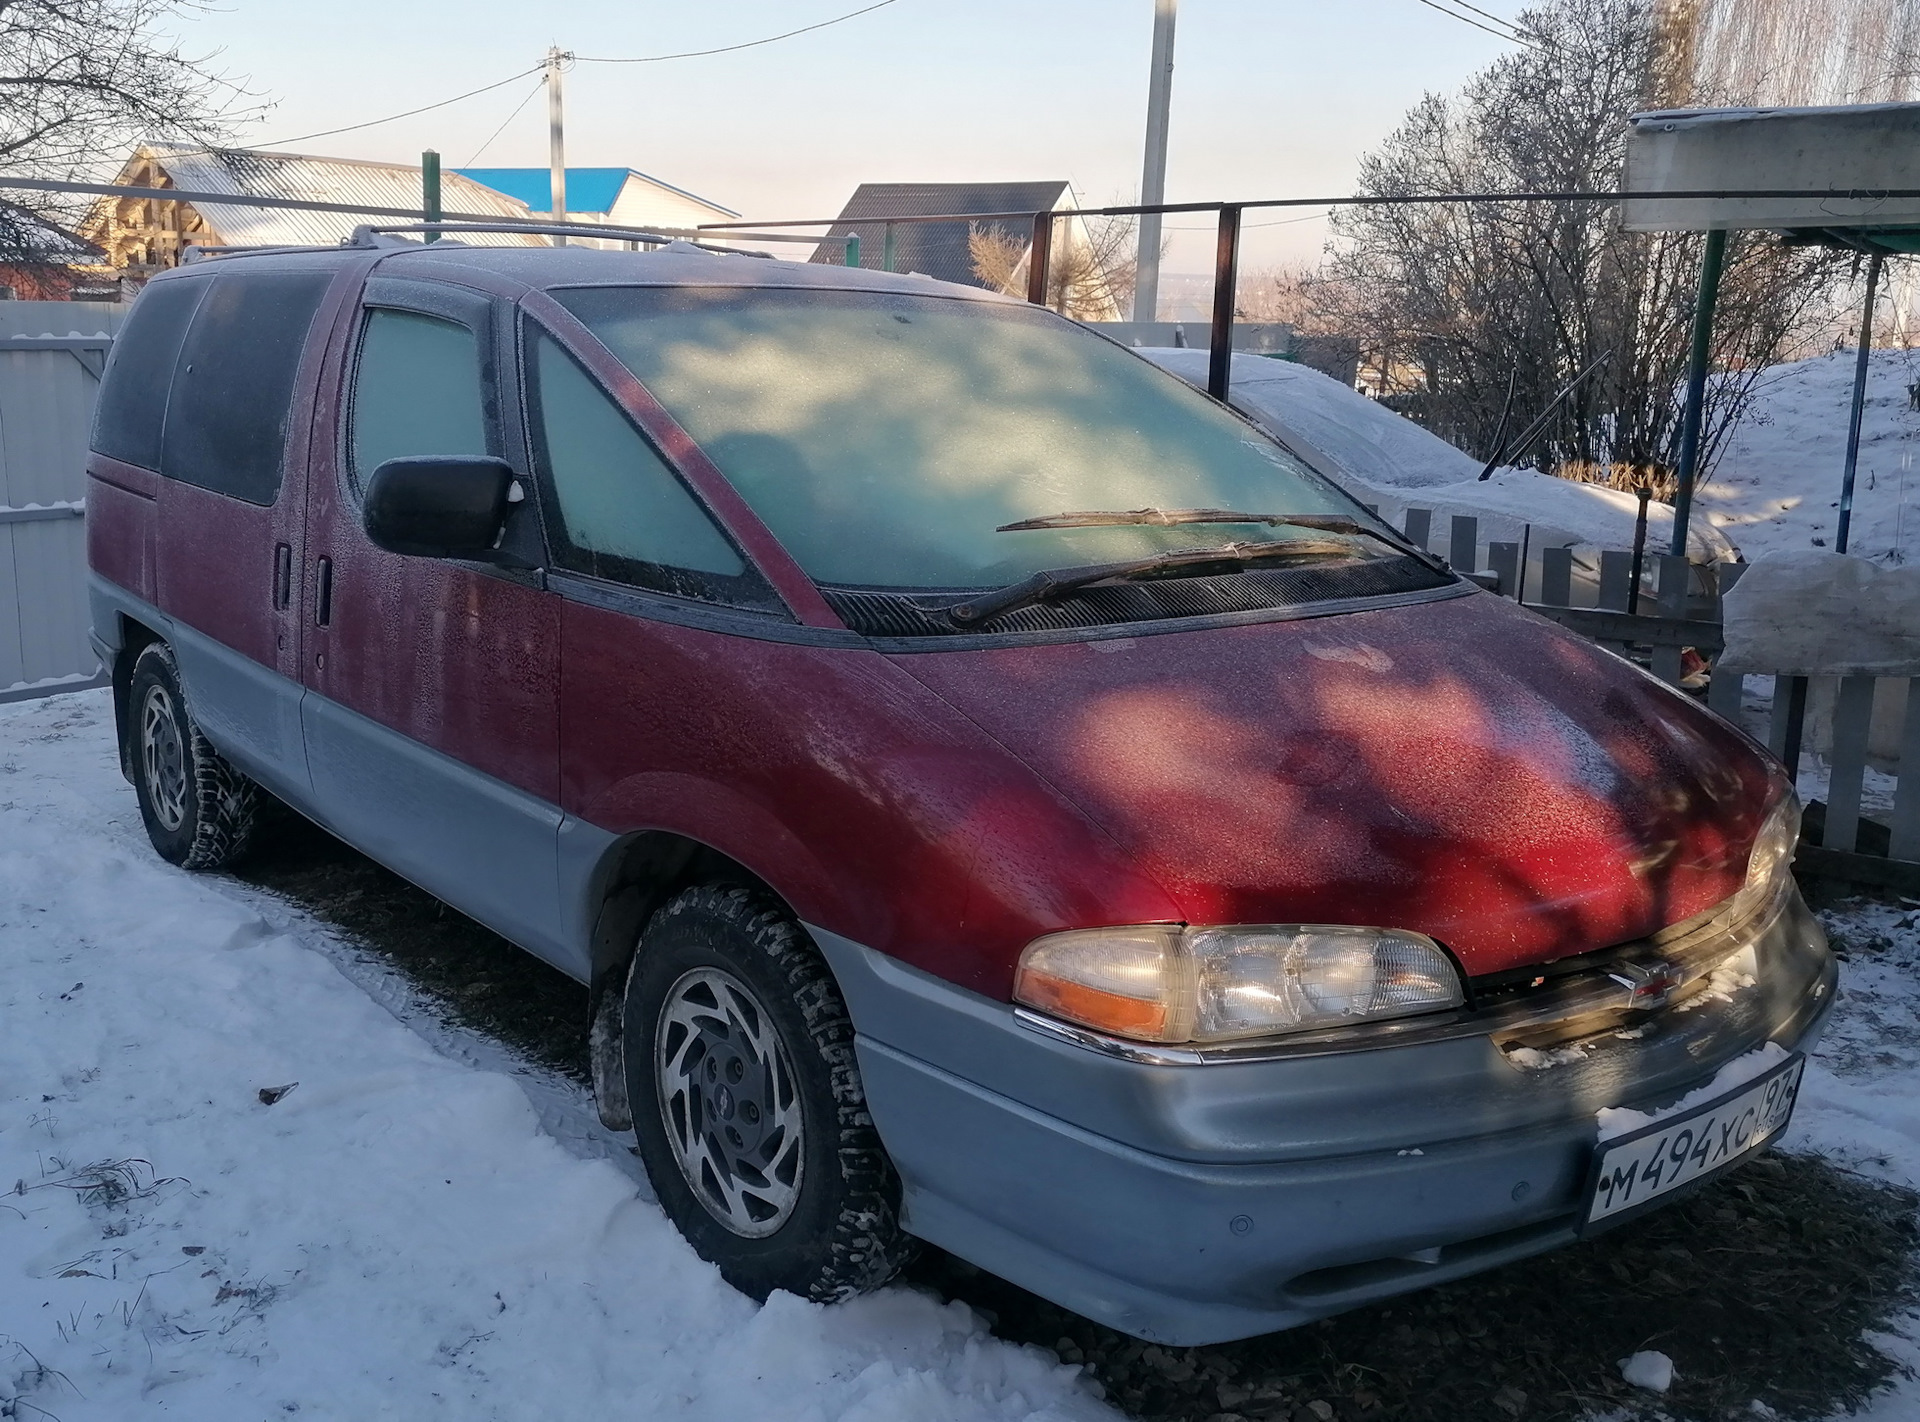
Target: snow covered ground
[(426, 1227), (421, 1228), (1777, 484)]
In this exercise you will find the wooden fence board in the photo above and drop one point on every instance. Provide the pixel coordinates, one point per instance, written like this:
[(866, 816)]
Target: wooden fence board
[(1462, 545), (1504, 560), (1852, 714), (1906, 796), (1556, 576)]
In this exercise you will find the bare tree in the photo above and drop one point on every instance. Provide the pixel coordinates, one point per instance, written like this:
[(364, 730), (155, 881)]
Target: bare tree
[(81, 82), (1090, 269), (1454, 301)]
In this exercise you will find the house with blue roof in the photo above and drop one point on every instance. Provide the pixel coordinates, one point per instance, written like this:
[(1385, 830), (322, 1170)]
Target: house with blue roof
[(622, 197)]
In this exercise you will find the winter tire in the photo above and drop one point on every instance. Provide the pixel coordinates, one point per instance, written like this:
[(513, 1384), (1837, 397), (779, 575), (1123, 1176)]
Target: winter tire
[(747, 1101), (199, 810)]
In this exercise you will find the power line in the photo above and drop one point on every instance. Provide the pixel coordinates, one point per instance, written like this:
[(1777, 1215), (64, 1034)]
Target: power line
[(1510, 36), (390, 118), (730, 48), (1504, 23), (538, 85)]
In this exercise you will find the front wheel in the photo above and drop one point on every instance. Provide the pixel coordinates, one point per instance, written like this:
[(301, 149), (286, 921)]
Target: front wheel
[(747, 1101)]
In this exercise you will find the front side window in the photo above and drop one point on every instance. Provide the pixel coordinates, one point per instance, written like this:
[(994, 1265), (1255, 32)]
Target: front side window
[(618, 510), (418, 391), (887, 439)]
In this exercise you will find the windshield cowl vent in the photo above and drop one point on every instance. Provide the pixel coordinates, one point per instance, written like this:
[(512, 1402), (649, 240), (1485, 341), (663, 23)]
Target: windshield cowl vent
[(881, 612)]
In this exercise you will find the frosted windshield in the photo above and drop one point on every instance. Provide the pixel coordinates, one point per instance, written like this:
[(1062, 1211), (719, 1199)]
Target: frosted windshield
[(884, 439)]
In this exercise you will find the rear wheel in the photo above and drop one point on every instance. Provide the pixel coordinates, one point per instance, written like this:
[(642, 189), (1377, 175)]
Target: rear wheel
[(747, 1101), (199, 811)]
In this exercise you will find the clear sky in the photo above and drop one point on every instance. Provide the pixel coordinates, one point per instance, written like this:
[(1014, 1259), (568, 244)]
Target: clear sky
[(1271, 98)]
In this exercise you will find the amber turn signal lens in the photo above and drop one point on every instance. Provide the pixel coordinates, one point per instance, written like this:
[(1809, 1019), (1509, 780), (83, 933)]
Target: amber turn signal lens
[(1108, 1011)]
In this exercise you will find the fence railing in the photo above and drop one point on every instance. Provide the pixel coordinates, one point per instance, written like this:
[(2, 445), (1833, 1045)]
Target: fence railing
[(1862, 780)]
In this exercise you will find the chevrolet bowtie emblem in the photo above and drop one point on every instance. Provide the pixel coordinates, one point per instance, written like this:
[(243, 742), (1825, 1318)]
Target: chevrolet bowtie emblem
[(1648, 985)]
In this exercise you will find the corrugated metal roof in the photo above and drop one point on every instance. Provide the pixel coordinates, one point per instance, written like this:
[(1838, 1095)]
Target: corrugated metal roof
[(937, 249), (342, 180)]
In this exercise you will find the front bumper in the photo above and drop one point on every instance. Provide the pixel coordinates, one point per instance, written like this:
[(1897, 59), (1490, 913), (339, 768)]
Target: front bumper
[(1196, 1203)]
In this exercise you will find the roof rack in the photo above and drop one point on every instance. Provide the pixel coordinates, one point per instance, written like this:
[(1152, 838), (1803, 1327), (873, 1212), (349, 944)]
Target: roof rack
[(368, 234)]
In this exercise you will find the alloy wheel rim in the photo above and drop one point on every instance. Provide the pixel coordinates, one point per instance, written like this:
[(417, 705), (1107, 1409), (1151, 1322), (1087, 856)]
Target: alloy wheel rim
[(163, 758), (730, 1102)]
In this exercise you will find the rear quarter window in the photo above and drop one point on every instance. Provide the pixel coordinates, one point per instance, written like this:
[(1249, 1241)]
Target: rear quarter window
[(132, 408), (226, 425)]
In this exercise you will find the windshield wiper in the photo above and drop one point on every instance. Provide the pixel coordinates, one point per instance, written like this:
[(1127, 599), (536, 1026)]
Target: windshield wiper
[(1167, 518), (1053, 582)]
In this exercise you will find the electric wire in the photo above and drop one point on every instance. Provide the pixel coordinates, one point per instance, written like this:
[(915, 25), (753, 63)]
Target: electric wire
[(538, 85), (580, 59), (1510, 36), (730, 48), (1488, 14), (390, 118)]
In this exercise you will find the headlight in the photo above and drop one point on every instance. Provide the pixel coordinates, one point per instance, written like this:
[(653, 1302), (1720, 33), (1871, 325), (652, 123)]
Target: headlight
[(1168, 984), (1770, 864)]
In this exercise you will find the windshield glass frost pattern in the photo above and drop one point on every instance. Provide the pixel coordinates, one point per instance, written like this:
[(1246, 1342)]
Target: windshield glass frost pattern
[(884, 439)]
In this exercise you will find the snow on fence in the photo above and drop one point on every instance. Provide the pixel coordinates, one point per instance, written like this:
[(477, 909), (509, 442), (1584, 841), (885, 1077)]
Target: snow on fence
[(1866, 728), (49, 374)]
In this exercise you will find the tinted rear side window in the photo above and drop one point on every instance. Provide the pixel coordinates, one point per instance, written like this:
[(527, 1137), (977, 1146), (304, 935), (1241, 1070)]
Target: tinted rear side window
[(226, 424), (133, 394)]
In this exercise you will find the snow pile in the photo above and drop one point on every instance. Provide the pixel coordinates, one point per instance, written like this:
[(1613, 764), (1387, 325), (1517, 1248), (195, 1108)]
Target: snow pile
[(1650, 1370), (396, 1238), (1387, 460), (1777, 483), (1808, 612)]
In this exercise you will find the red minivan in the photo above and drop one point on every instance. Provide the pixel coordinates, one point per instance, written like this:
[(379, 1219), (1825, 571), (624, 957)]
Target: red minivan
[(995, 794)]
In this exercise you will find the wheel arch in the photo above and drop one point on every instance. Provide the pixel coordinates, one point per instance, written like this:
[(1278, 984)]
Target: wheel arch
[(135, 637), (638, 874)]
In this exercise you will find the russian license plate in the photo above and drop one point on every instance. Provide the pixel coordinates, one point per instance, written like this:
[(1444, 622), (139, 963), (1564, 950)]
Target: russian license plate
[(1635, 1170)]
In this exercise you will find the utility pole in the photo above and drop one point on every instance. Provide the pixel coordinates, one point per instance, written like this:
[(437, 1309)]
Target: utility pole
[(556, 140), (1153, 177)]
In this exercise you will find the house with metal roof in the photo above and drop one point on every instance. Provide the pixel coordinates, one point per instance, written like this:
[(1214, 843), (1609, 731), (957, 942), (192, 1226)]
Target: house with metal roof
[(988, 252), (622, 197), (142, 235)]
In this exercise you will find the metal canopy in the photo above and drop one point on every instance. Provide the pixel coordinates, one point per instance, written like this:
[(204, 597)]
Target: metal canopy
[(1852, 171)]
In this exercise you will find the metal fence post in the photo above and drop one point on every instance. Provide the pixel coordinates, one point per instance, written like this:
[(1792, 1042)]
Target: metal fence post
[(887, 249), (430, 190), (1859, 402), (853, 249), (1711, 261), (1038, 256), (1226, 273)]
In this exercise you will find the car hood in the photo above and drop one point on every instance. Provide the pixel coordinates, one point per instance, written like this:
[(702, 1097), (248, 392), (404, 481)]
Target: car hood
[(1462, 768)]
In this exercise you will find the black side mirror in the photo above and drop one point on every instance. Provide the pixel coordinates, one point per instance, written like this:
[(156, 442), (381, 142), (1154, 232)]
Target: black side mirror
[(439, 506)]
